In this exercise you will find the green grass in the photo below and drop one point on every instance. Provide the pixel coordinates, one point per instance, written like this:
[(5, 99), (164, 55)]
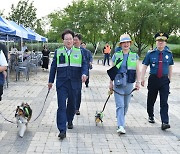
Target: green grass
[(177, 59)]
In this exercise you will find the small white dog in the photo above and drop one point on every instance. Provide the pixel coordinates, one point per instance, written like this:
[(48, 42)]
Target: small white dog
[(23, 115)]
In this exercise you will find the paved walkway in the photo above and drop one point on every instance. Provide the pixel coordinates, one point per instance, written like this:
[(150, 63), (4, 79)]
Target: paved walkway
[(87, 138)]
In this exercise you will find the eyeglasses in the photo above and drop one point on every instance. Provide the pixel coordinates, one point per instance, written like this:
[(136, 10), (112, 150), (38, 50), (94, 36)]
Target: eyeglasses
[(68, 39)]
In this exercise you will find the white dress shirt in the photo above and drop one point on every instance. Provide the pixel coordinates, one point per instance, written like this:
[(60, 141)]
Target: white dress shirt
[(3, 61), (68, 51)]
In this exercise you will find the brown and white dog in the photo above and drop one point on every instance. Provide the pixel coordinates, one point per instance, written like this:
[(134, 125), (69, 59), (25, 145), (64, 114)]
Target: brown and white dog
[(23, 115)]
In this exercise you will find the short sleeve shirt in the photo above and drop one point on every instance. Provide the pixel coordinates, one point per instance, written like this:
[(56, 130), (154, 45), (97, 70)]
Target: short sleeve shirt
[(3, 61), (152, 59)]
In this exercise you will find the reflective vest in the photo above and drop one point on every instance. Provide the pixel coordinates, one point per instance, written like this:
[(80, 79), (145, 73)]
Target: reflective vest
[(131, 65), (107, 49), (131, 62), (74, 59)]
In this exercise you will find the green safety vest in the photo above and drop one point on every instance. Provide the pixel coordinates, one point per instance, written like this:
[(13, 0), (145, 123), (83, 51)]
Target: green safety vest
[(74, 59), (131, 62)]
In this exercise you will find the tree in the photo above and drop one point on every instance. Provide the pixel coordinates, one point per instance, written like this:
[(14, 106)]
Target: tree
[(167, 15), (147, 17), (1, 12), (84, 17), (141, 21), (106, 20), (24, 13), (39, 28), (92, 20), (113, 26), (58, 22)]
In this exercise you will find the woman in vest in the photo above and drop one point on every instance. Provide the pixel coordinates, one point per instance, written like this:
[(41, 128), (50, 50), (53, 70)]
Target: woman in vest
[(128, 72)]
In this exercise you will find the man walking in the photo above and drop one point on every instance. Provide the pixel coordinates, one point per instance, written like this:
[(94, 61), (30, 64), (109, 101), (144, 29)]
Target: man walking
[(70, 68), (89, 61), (77, 44), (160, 60)]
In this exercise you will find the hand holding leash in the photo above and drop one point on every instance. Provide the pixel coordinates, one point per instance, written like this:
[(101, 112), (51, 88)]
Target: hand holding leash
[(50, 86)]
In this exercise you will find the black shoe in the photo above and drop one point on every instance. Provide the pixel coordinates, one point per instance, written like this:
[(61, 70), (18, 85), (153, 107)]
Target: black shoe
[(87, 86), (151, 120), (70, 125), (165, 126), (77, 112), (62, 135)]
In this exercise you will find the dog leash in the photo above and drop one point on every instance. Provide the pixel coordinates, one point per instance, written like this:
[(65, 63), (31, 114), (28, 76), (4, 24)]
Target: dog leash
[(35, 118), (7, 119), (110, 93), (99, 115), (42, 107), (125, 94)]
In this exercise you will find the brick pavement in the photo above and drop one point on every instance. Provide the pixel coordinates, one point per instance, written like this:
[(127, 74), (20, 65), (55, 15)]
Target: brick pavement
[(87, 138)]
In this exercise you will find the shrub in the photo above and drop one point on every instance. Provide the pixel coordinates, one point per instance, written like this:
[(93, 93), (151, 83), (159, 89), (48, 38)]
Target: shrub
[(174, 39), (176, 52), (39, 46)]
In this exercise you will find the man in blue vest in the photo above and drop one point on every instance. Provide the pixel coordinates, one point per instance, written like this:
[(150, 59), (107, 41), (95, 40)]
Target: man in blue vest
[(77, 44), (89, 61), (70, 67)]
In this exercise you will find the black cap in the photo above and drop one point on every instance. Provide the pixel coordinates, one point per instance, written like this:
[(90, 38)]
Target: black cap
[(161, 36)]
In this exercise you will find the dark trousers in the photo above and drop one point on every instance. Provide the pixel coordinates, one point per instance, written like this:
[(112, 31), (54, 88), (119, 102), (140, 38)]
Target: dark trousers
[(106, 56), (160, 85), (1, 92), (45, 62), (78, 100), (65, 111), (87, 81)]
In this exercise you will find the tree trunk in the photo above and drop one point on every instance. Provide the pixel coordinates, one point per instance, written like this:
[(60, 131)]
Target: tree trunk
[(139, 50)]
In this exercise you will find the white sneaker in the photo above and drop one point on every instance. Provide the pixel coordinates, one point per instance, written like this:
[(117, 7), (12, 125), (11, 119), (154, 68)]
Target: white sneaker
[(121, 130)]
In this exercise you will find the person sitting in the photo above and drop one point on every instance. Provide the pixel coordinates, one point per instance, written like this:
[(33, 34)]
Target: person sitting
[(14, 49), (26, 54)]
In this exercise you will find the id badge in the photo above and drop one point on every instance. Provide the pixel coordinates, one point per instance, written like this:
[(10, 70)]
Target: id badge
[(61, 59)]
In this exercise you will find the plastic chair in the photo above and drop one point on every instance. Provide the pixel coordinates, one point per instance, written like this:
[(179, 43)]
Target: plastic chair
[(13, 62), (24, 68), (33, 64)]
